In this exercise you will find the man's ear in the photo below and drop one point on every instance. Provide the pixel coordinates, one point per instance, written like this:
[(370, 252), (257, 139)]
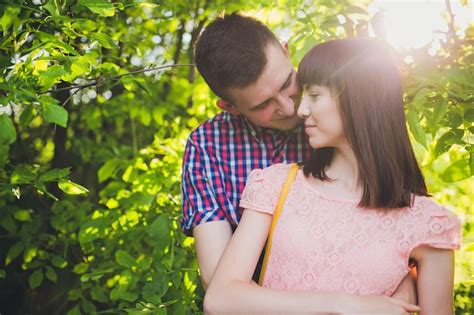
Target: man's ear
[(227, 106), (284, 45)]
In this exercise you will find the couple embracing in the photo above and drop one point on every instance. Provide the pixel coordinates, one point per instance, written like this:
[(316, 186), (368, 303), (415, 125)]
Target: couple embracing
[(320, 160)]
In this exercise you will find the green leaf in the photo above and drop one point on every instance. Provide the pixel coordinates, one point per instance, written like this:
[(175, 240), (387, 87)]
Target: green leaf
[(8, 17), (80, 268), (143, 85), (124, 259), (108, 169), (469, 247), (159, 286), (41, 189), (51, 274), (74, 294), (13, 252), (88, 307), (35, 279), (457, 171), (469, 115), (453, 136), (27, 115), (52, 8), (30, 253), (101, 7), (55, 114), (8, 223), (159, 227), (25, 95), (23, 174), (121, 293), (22, 215), (99, 294), (74, 311), (4, 149), (84, 25), (105, 41), (3, 274), (439, 111), (55, 44), (96, 275), (7, 130), (92, 230), (58, 261), (128, 83), (91, 277), (415, 128), (72, 188), (145, 262), (54, 174), (52, 75), (421, 98), (452, 119), (471, 161)]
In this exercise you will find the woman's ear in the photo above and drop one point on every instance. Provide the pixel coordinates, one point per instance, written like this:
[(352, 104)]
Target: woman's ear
[(227, 106), (284, 45)]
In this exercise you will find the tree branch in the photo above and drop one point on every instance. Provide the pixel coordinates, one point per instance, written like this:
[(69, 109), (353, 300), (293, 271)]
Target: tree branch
[(101, 80), (451, 31)]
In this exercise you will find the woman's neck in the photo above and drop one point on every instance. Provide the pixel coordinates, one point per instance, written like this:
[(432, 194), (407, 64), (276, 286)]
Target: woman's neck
[(344, 174)]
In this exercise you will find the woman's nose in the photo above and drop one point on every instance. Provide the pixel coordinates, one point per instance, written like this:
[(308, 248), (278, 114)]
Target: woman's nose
[(303, 110)]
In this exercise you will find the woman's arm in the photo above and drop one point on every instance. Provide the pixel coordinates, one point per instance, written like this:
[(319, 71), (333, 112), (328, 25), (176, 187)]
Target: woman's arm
[(435, 279), (231, 289)]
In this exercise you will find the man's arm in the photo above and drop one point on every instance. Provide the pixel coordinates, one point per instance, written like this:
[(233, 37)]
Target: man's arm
[(210, 239), (406, 290), (202, 213)]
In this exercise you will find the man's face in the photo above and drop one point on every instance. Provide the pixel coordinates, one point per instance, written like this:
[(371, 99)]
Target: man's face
[(270, 101)]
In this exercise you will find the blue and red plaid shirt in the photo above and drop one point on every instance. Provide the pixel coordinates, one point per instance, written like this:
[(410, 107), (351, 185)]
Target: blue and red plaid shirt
[(220, 154)]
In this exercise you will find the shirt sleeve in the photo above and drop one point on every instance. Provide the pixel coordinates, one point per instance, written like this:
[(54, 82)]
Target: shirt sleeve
[(439, 228), (263, 188), (199, 200)]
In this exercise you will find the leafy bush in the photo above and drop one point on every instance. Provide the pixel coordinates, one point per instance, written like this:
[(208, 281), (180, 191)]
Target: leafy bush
[(97, 99)]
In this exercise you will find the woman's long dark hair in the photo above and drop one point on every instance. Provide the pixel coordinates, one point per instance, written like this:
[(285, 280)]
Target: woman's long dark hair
[(364, 76)]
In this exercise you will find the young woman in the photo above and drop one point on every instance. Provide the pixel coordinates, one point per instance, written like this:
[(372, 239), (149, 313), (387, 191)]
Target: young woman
[(356, 213)]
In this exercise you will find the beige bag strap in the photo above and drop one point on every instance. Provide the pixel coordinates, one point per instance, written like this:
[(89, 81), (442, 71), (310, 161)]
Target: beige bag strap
[(276, 215)]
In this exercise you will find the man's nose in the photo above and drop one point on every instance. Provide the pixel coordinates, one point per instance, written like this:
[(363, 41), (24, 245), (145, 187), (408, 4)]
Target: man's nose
[(285, 105)]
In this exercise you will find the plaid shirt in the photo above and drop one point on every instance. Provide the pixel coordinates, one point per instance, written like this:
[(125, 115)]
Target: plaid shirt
[(220, 154)]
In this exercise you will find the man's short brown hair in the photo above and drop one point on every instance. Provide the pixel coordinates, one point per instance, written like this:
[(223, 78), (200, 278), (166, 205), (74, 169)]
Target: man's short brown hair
[(231, 52)]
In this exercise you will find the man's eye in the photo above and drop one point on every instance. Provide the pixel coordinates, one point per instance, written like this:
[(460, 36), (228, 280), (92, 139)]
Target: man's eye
[(260, 107), (313, 96)]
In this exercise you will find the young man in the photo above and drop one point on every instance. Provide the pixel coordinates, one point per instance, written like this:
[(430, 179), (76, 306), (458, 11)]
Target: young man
[(245, 65)]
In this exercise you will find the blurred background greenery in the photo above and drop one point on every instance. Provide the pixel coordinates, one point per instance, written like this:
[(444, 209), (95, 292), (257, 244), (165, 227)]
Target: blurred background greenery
[(96, 101)]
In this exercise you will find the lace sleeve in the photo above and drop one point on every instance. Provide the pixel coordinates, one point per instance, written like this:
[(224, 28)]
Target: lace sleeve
[(263, 188), (440, 227)]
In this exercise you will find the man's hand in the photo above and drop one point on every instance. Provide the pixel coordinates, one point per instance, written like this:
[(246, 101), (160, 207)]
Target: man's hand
[(406, 290), (370, 304)]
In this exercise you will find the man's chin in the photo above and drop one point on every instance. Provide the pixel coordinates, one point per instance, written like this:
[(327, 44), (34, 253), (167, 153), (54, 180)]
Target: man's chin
[(287, 123)]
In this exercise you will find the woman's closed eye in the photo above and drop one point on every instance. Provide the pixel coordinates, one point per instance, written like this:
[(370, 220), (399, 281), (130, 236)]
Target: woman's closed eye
[(313, 96)]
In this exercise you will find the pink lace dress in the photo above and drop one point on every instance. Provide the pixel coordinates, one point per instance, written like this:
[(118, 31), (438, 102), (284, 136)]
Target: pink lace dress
[(325, 244)]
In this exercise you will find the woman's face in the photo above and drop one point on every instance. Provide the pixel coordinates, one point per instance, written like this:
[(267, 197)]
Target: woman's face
[(323, 123)]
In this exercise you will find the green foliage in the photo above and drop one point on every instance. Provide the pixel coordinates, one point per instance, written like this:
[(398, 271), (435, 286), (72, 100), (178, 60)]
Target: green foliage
[(91, 141)]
